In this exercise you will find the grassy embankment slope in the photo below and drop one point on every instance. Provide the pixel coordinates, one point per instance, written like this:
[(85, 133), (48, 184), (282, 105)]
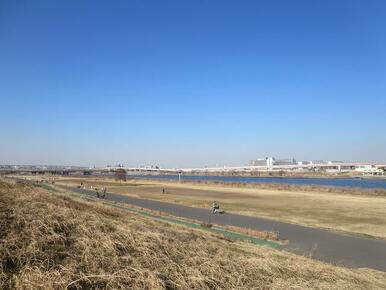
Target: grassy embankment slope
[(51, 240), (358, 211)]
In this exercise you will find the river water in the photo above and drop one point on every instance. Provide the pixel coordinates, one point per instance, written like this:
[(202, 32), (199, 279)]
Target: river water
[(344, 182)]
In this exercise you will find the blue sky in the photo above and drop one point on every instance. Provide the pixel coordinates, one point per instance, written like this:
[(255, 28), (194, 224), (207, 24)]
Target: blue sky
[(191, 83)]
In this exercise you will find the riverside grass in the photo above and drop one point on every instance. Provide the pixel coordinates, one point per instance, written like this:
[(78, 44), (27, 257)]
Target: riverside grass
[(361, 214), (53, 241)]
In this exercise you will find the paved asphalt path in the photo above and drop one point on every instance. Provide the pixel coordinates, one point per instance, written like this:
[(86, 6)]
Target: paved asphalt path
[(328, 246)]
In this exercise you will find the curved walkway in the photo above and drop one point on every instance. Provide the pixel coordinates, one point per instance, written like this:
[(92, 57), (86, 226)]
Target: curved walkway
[(328, 246)]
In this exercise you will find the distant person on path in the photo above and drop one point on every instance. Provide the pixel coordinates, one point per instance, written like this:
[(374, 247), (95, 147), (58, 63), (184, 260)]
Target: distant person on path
[(163, 191), (215, 207)]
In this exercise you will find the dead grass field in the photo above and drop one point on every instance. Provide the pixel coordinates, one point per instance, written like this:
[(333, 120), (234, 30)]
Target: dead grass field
[(353, 213), (53, 241)]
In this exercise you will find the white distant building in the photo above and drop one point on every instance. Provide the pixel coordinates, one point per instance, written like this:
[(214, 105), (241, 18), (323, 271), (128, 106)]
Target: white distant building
[(287, 161), (369, 170), (259, 162), (271, 161), (364, 167)]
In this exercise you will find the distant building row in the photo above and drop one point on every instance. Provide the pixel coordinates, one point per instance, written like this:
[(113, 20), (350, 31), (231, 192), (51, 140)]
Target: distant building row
[(272, 161)]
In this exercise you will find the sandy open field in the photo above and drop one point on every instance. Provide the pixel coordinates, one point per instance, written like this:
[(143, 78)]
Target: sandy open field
[(360, 214)]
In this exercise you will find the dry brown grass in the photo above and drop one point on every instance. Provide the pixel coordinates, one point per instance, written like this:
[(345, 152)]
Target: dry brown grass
[(51, 241), (359, 213), (288, 187), (265, 235)]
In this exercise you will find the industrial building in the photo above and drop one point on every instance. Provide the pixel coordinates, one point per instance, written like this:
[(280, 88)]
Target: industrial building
[(272, 161)]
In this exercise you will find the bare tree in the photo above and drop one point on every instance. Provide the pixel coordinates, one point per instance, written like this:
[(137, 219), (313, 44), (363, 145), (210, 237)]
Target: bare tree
[(120, 174)]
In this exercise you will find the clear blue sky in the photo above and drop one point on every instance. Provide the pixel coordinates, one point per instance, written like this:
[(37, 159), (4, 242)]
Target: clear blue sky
[(191, 83)]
